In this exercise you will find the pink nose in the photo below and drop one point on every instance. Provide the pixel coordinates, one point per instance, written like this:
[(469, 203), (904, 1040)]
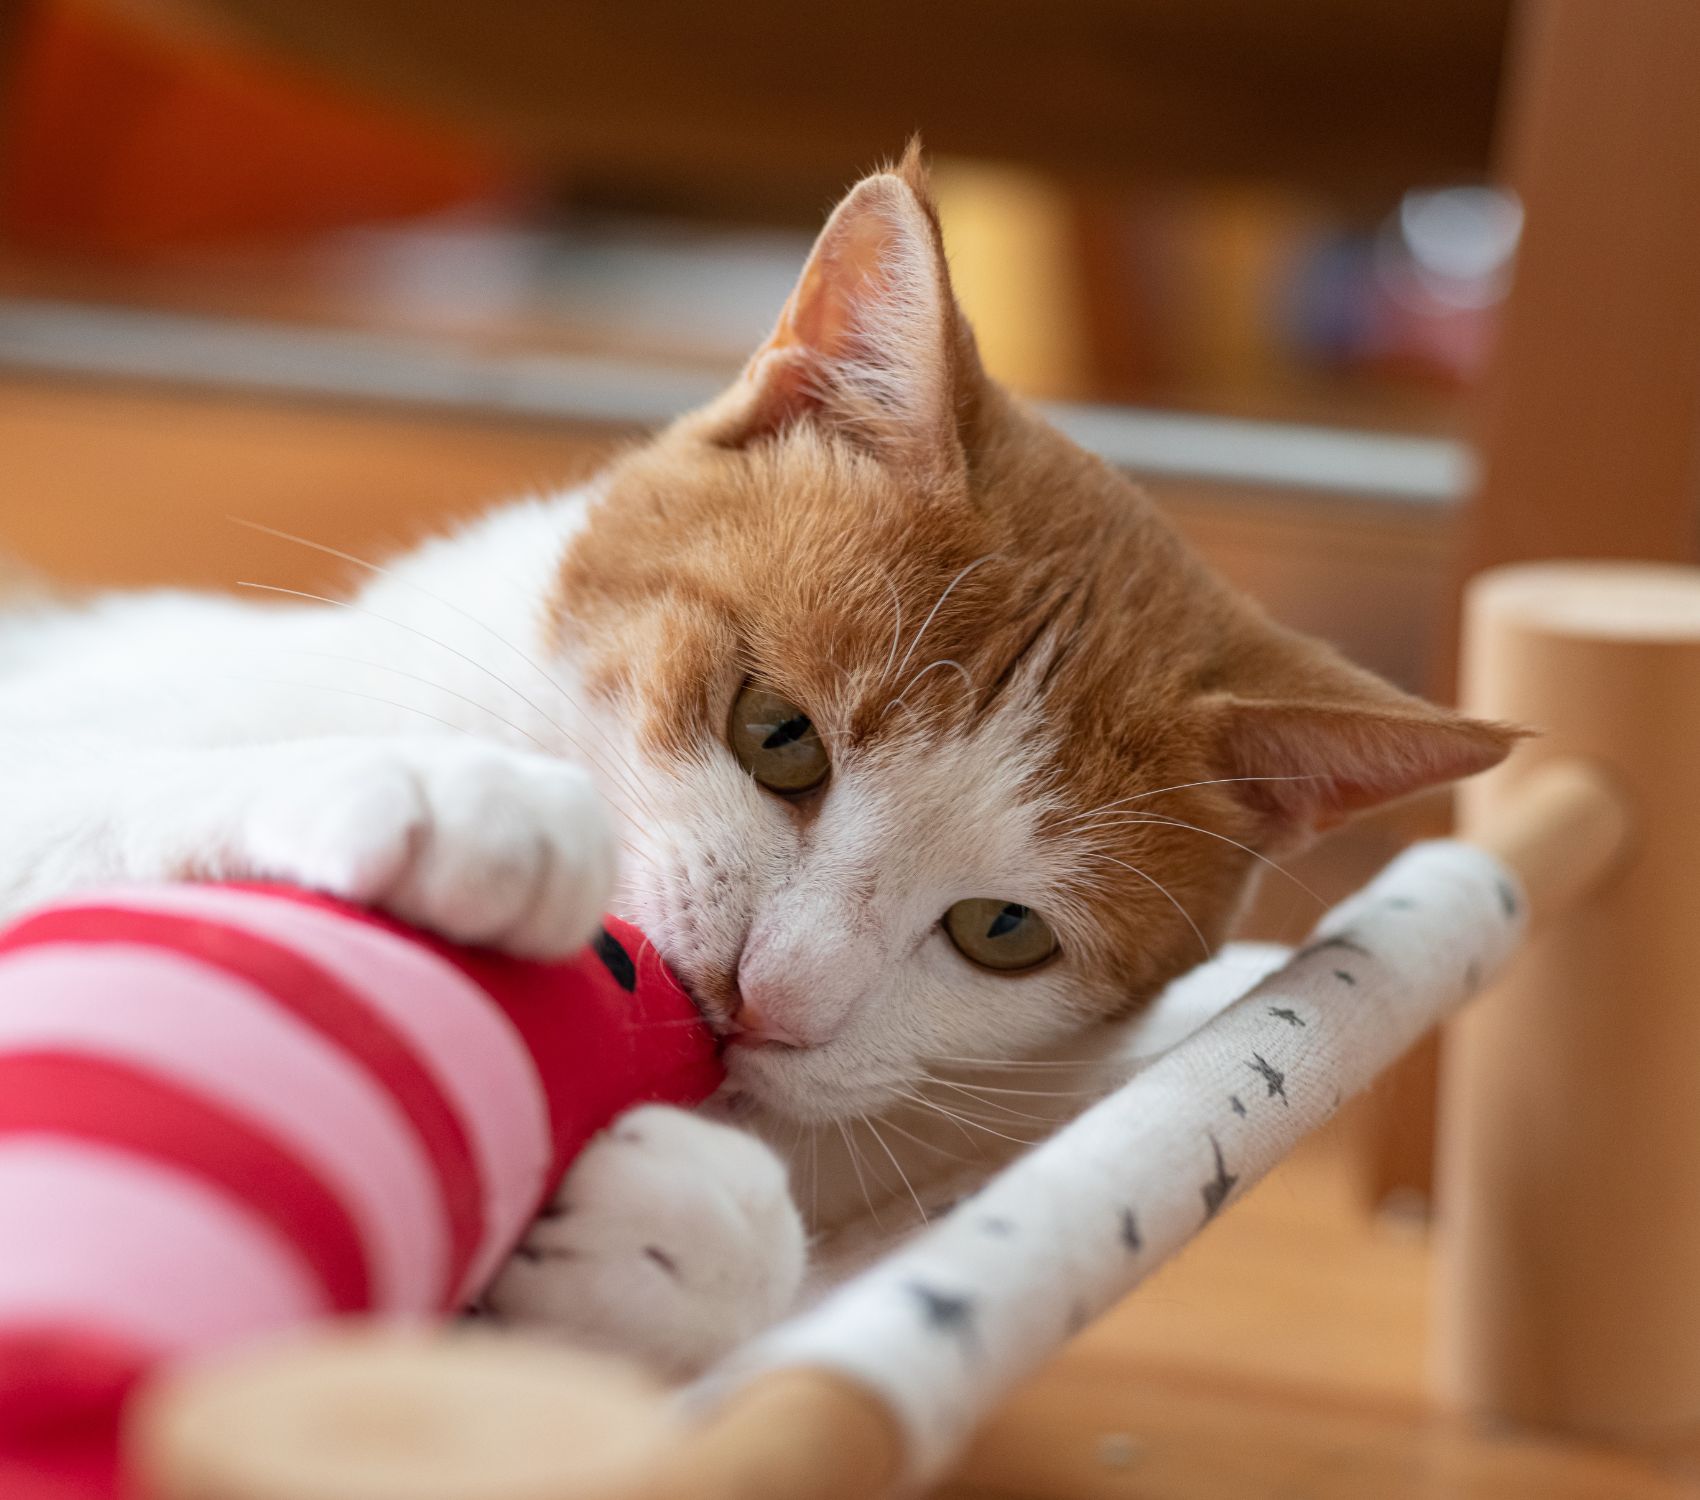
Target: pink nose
[(751, 1028)]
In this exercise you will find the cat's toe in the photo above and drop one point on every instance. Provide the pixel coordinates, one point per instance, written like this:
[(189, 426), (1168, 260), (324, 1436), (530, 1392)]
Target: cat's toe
[(672, 1241), (478, 843), (350, 824)]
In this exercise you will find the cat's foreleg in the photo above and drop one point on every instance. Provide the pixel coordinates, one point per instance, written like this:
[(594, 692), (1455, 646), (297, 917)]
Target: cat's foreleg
[(478, 842)]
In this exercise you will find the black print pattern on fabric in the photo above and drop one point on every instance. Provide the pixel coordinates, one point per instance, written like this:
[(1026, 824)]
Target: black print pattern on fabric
[(1345, 942), (945, 1312), (1272, 1076), (1130, 1231), (1217, 1189), (1507, 897)]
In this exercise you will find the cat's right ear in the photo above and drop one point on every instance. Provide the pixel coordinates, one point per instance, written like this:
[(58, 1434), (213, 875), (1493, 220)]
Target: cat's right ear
[(870, 346)]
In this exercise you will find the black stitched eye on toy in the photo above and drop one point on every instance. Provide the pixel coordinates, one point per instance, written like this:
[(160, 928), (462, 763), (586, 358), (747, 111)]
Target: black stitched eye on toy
[(999, 934), (776, 742)]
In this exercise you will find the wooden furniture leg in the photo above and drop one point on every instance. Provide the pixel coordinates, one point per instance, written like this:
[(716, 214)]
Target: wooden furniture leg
[(1568, 1239), (1586, 425)]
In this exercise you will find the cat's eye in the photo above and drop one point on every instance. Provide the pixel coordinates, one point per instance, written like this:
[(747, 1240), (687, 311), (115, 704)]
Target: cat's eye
[(776, 742), (999, 934)]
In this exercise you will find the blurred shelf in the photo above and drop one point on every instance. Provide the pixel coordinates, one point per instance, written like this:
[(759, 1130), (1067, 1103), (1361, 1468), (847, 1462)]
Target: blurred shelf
[(59, 338), (786, 101)]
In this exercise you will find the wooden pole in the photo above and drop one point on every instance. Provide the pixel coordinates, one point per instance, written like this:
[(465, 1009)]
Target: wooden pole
[(1593, 384), (1564, 830), (1568, 1264)]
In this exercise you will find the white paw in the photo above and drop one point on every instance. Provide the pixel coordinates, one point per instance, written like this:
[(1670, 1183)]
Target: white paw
[(476, 842), (672, 1241)]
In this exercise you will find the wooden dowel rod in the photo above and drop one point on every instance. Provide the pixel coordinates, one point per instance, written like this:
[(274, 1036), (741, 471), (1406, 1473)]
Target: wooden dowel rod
[(800, 1434), (366, 1413), (1562, 830)]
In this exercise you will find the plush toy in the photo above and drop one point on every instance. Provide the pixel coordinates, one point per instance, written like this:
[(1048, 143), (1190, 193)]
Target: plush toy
[(227, 1110)]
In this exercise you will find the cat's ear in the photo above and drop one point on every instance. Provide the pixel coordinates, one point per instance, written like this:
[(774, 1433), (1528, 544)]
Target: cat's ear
[(1305, 753), (871, 344)]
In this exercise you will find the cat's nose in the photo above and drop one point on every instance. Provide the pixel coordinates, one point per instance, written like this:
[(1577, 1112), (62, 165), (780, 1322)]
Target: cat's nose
[(752, 1027), (783, 994)]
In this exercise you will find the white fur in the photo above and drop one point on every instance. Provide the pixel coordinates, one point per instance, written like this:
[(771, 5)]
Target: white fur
[(422, 750), (673, 1239)]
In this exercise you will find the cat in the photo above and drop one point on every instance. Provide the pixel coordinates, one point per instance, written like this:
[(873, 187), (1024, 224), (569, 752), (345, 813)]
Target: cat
[(926, 752)]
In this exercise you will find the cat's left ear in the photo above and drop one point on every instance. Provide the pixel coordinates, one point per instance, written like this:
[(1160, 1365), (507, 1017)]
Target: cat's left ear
[(1309, 740), (871, 345)]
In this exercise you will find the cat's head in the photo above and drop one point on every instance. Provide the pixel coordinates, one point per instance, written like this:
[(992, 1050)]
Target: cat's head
[(941, 745)]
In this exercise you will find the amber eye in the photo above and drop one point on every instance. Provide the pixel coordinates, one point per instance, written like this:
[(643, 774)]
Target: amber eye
[(999, 934), (776, 742)]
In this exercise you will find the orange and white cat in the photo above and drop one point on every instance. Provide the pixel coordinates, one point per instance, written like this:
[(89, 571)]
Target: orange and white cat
[(920, 742)]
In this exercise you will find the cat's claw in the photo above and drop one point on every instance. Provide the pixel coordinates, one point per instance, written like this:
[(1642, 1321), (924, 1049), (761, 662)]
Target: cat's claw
[(479, 843), (672, 1240)]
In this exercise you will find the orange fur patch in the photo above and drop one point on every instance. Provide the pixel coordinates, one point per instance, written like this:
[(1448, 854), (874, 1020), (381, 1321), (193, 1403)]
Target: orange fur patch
[(799, 532)]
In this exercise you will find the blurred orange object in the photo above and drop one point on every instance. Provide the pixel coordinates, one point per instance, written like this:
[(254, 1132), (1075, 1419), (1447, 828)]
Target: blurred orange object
[(120, 138)]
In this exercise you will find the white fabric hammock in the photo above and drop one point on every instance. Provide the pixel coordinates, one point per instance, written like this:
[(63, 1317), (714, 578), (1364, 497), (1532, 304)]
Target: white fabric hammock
[(942, 1328)]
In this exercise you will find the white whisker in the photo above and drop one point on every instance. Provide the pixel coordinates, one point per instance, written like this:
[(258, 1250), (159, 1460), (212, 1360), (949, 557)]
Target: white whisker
[(325, 687), (986, 1088), (272, 588), (961, 671), (896, 628), (915, 1100), (926, 1145), (962, 1120), (949, 588), (1167, 896), (1008, 1110), (1135, 818), (378, 666), (902, 1176), (1181, 787), (814, 1176), (448, 604), (861, 1181)]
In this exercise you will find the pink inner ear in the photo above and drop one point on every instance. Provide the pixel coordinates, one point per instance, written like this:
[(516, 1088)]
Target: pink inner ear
[(851, 265), (830, 321), (787, 382), (1325, 761)]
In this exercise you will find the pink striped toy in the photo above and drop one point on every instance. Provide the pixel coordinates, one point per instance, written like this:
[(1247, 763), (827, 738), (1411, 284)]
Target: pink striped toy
[(229, 1109)]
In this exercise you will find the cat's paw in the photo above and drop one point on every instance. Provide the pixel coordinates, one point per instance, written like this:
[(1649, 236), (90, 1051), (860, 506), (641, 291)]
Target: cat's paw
[(477, 842), (672, 1241)]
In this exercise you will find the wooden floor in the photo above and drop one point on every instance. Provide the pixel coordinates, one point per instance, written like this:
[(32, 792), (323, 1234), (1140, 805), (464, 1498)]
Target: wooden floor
[(1281, 1357)]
